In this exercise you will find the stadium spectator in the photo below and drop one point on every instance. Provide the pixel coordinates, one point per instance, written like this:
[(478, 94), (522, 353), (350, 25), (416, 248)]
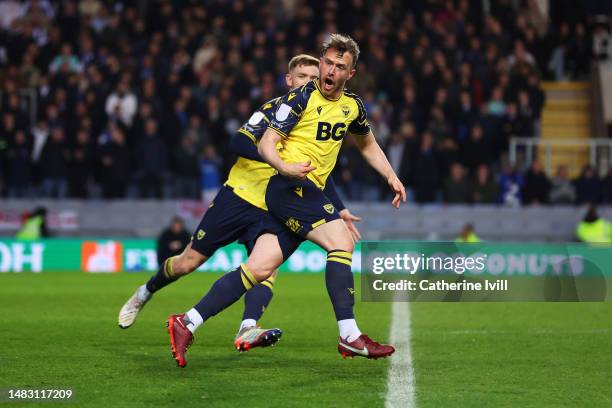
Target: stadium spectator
[(115, 162), (40, 133), (526, 114), (210, 173), (537, 186), (511, 186), (186, 169), (151, 154), (456, 186), (537, 97), (579, 53), (593, 228), (196, 132), (562, 191), (464, 116), (438, 126), (483, 189), (496, 105), (19, 167), (606, 187), (588, 187), (66, 61), (121, 105), (81, 165), (34, 226), (468, 235), (54, 163), (557, 63), (172, 241), (426, 177), (475, 151)]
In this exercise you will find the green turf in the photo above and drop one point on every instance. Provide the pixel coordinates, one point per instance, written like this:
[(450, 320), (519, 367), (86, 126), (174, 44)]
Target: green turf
[(59, 330), (512, 354)]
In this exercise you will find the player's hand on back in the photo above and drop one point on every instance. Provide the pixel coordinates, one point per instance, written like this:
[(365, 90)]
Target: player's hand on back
[(398, 188), (350, 220), (297, 170)]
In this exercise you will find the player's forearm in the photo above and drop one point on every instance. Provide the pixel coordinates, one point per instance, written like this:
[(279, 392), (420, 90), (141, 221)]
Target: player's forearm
[(374, 155), (242, 145), (267, 150)]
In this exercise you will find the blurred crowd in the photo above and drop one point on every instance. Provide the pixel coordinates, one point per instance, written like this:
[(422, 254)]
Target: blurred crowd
[(140, 98)]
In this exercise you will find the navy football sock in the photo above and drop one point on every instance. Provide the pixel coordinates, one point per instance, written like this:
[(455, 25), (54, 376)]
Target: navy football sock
[(225, 291), (163, 277), (257, 299), (340, 284)]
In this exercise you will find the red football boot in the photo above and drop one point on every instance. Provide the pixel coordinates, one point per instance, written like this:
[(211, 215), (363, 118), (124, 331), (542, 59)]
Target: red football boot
[(365, 347), (180, 338)]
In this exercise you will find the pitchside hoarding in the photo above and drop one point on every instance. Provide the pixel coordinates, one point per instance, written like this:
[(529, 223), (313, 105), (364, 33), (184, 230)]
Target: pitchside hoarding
[(130, 255), (133, 255)]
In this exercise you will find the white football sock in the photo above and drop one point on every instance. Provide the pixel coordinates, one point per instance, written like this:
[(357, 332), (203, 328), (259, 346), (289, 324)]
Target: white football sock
[(247, 323), (193, 320), (143, 293), (349, 330)]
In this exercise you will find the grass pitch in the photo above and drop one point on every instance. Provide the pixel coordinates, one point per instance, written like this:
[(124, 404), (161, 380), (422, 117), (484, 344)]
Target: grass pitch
[(60, 330)]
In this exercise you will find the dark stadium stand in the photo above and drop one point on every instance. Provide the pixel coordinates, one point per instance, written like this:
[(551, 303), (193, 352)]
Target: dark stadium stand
[(139, 99)]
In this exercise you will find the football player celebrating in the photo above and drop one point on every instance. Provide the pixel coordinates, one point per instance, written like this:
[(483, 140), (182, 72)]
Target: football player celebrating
[(310, 123), (236, 214)]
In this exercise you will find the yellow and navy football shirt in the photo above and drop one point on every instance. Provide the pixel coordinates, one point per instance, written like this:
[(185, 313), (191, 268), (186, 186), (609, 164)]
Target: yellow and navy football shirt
[(313, 127), (249, 178)]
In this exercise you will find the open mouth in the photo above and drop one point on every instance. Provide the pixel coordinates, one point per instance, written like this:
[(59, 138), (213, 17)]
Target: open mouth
[(328, 84)]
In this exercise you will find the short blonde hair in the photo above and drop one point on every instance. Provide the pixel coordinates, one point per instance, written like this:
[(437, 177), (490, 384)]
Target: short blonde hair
[(302, 59), (341, 43)]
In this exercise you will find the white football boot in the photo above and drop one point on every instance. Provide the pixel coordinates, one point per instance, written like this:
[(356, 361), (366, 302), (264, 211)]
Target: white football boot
[(131, 308)]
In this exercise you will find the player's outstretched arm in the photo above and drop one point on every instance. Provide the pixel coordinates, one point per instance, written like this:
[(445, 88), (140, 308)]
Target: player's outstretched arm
[(376, 158), (267, 150)]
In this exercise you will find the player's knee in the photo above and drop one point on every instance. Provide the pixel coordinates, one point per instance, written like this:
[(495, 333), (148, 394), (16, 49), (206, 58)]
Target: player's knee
[(332, 236), (261, 273), (342, 243)]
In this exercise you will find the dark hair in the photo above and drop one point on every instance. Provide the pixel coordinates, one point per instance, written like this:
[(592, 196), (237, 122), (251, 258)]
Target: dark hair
[(341, 43)]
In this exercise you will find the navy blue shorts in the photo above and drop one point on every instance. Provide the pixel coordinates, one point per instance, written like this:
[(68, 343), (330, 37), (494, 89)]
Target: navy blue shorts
[(229, 219), (299, 204), (287, 240)]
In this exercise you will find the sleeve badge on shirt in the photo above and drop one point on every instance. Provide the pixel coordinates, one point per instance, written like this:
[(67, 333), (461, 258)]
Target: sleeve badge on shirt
[(283, 112), (256, 118)]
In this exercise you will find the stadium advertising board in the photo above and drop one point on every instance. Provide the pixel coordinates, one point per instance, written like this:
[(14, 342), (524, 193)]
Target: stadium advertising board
[(133, 255)]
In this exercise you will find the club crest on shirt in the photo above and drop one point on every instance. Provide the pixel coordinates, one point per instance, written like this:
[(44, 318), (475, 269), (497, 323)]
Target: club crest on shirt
[(346, 110)]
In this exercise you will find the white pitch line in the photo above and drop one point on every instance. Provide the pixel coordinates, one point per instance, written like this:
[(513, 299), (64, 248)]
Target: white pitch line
[(400, 379)]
